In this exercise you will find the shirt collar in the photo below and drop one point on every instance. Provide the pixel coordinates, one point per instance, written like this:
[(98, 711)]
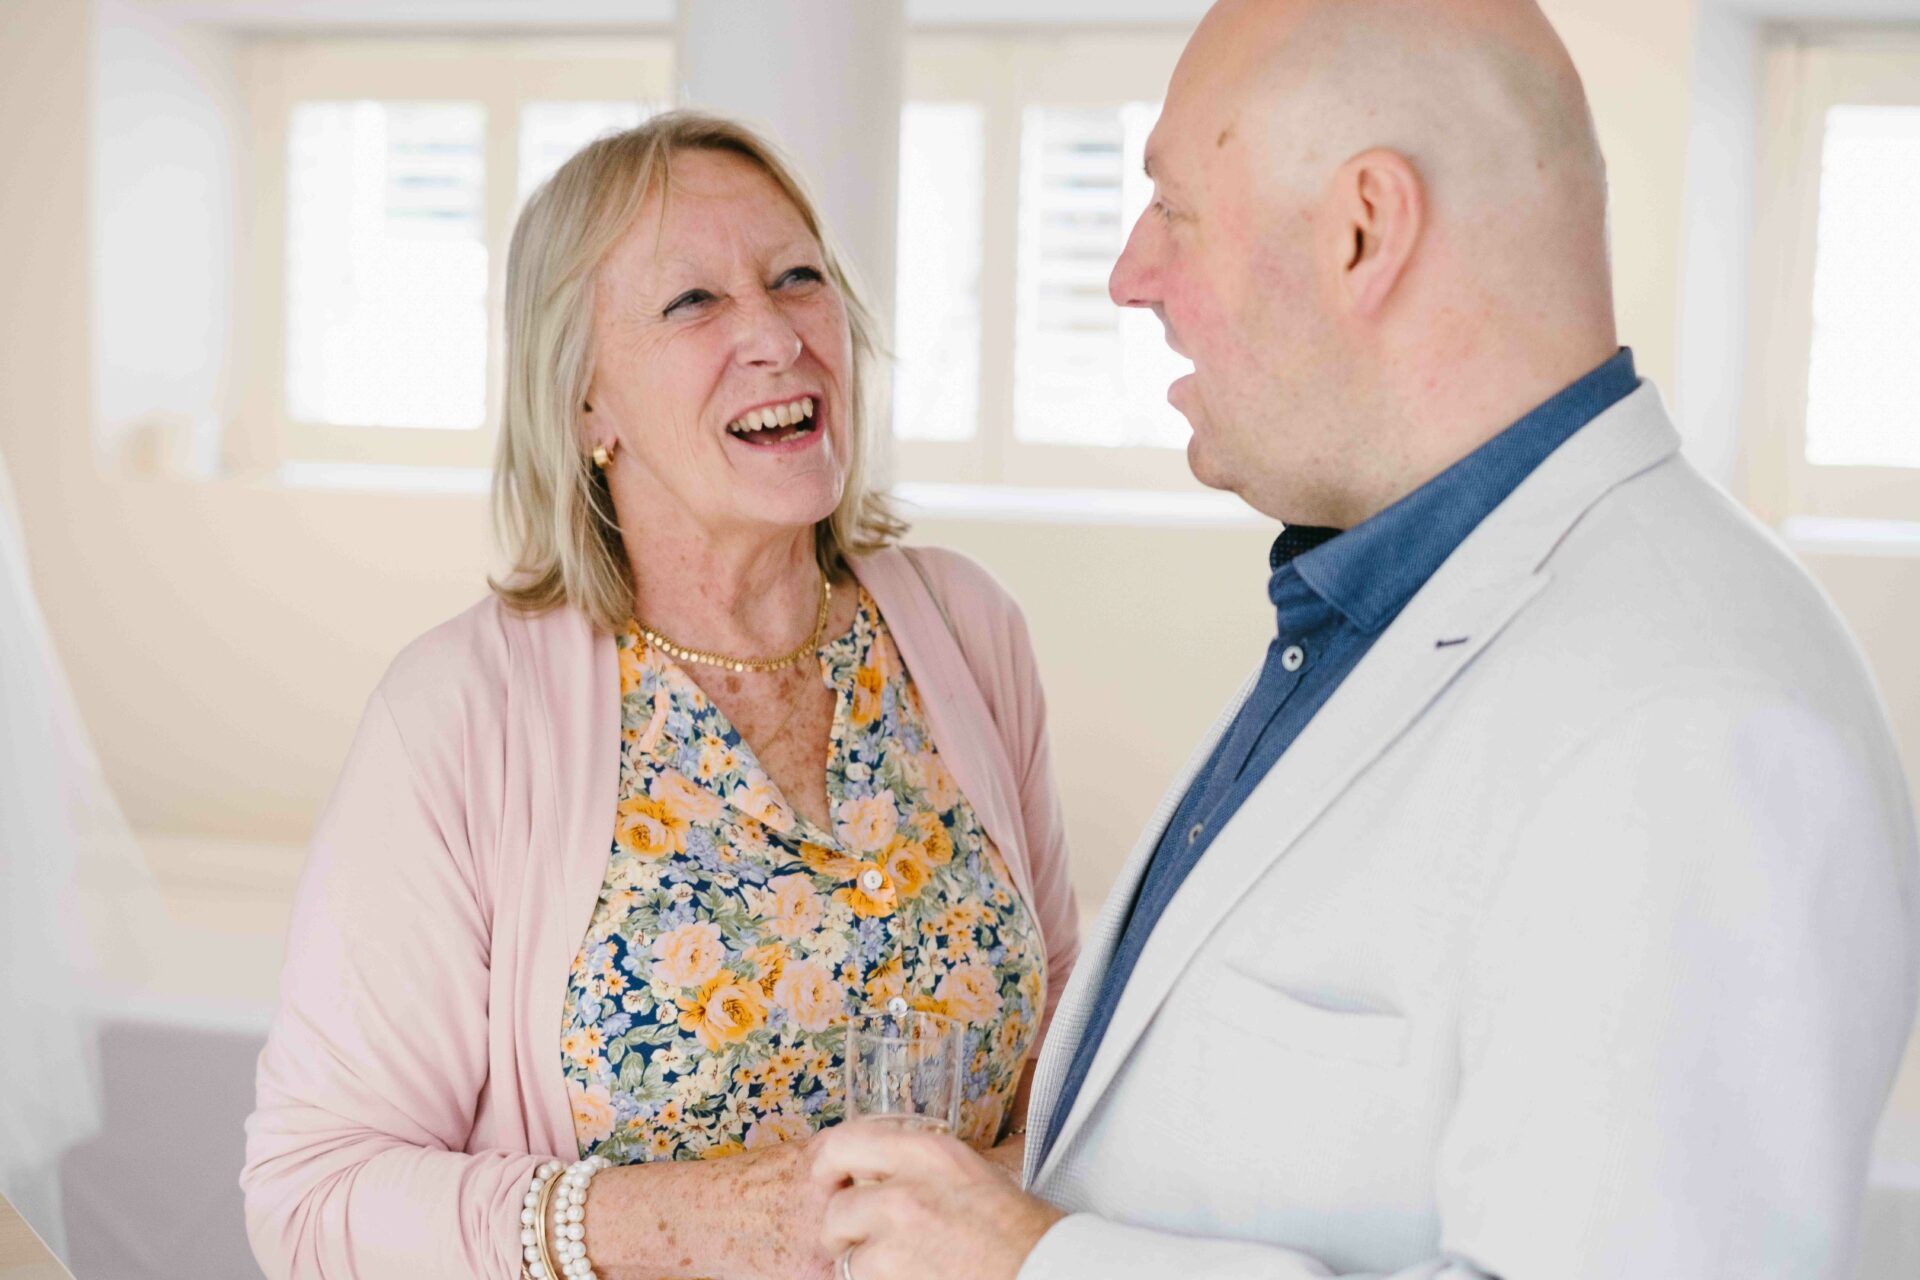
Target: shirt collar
[(1370, 571)]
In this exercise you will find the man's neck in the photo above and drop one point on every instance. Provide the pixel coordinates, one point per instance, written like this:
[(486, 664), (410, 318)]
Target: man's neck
[(1448, 413)]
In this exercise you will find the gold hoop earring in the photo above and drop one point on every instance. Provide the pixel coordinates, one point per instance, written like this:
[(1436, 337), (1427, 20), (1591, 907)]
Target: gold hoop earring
[(601, 457)]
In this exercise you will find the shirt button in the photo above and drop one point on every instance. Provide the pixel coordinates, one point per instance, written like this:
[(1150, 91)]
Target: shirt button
[(1293, 657), (1195, 831), (897, 1006), (871, 880)]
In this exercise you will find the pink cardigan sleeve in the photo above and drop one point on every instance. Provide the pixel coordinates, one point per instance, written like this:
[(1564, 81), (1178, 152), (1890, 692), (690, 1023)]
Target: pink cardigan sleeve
[(368, 1086), (992, 633), (1053, 894)]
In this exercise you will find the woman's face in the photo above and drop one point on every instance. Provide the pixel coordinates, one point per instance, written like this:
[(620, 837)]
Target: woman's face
[(712, 312)]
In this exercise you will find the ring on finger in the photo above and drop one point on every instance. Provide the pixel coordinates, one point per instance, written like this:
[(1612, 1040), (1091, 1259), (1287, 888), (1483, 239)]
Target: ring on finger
[(846, 1262)]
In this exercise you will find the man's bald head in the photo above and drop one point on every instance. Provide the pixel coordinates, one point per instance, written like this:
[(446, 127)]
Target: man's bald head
[(1474, 91), (1415, 185)]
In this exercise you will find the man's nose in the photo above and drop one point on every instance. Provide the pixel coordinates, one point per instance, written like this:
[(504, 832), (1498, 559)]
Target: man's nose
[(1130, 283)]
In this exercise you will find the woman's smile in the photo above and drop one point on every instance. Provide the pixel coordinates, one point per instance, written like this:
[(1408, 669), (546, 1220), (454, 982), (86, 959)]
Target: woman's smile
[(780, 427)]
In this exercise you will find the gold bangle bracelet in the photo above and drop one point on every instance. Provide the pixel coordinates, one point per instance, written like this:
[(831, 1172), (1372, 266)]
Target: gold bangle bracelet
[(540, 1240)]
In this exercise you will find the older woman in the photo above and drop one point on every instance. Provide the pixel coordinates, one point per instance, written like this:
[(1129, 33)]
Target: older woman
[(617, 850)]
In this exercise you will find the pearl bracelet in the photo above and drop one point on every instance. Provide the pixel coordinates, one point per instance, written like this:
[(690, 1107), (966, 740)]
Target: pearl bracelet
[(563, 1190), (533, 1221)]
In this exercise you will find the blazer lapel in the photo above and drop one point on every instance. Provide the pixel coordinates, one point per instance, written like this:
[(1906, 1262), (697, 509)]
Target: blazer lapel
[(1488, 580)]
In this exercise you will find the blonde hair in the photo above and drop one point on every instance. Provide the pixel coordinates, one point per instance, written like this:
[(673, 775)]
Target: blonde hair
[(552, 510)]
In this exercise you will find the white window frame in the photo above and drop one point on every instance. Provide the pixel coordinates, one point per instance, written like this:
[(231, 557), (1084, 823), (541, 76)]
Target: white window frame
[(501, 74), (1807, 71), (1003, 74)]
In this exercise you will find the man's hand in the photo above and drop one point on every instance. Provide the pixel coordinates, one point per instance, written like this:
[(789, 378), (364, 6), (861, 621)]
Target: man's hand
[(935, 1210)]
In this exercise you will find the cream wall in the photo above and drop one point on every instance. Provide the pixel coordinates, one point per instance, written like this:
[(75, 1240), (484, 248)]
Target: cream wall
[(223, 634)]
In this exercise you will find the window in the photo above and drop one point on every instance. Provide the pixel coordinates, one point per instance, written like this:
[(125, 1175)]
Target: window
[(1838, 334), (936, 386), (391, 173), (1020, 179), (387, 264), (1085, 371)]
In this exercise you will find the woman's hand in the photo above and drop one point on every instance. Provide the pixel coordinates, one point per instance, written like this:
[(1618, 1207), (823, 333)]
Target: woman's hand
[(780, 1208), (754, 1216)]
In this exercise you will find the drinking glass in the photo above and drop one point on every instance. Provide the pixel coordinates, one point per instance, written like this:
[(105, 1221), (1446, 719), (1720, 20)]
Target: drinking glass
[(905, 1068)]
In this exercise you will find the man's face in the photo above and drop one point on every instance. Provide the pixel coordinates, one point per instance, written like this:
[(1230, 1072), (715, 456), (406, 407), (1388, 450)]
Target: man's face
[(1224, 256)]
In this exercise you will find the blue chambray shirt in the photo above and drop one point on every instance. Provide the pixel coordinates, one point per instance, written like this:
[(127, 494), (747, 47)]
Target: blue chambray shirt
[(1333, 594)]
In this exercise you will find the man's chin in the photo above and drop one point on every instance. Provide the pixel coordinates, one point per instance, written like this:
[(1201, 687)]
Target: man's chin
[(1205, 466)]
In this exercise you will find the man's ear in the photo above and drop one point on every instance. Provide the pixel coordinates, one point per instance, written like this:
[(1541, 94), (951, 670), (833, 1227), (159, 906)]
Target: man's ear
[(1379, 212)]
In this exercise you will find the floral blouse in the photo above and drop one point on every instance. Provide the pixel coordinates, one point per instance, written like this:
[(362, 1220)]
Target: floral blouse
[(733, 936)]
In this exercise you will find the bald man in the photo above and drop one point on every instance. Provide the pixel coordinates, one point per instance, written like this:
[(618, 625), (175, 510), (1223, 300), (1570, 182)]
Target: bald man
[(1545, 906)]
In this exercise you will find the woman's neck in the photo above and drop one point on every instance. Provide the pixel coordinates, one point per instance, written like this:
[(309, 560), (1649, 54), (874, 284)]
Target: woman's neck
[(749, 596)]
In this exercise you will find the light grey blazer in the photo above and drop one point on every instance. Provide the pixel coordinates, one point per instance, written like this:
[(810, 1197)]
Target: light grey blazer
[(1574, 938)]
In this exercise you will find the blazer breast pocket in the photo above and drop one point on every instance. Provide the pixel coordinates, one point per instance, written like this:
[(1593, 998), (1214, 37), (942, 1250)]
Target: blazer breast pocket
[(1298, 1023)]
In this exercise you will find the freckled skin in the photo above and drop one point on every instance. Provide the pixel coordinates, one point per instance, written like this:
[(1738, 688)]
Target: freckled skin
[(786, 716), (706, 1220)]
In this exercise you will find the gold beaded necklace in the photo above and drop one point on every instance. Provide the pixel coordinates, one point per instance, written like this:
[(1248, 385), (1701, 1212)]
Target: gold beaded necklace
[(681, 653)]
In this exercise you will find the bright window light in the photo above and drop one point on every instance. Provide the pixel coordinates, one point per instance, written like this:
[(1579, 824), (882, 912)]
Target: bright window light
[(1863, 389), (550, 132), (1085, 371), (387, 264), (936, 376)]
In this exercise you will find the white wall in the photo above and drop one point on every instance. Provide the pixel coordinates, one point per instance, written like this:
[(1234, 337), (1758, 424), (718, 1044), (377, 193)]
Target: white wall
[(1717, 242)]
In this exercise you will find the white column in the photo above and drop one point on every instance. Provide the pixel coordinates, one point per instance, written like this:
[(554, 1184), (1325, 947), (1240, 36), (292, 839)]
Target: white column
[(822, 77)]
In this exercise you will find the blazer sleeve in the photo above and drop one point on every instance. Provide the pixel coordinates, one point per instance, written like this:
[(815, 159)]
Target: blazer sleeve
[(367, 1088), (1682, 1019)]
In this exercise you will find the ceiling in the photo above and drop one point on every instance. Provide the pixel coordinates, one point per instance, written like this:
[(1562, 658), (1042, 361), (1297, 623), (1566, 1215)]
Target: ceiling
[(1825, 10), (269, 14)]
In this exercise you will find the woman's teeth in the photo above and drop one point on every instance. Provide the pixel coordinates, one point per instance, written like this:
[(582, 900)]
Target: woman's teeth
[(792, 413)]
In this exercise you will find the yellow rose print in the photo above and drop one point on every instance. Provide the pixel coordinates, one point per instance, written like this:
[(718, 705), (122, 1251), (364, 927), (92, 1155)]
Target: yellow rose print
[(935, 843), (767, 962), (813, 1000), (645, 827), (867, 825), (632, 667), (969, 992), (880, 900), (726, 1010), (906, 863), (796, 904), (689, 955), (776, 1129), (828, 863), (592, 1111), (685, 800), (887, 981), (868, 685)]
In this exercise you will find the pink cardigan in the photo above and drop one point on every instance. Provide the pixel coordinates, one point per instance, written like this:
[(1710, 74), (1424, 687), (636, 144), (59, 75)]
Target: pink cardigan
[(411, 1081)]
